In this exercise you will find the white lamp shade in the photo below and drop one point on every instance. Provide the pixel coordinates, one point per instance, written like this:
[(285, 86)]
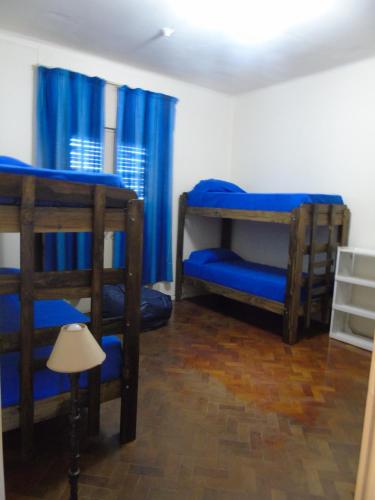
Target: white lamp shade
[(75, 350)]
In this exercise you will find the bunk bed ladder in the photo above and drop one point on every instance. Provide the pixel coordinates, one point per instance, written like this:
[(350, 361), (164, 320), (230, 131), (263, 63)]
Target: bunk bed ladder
[(133, 280), (27, 258), (331, 249), (180, 244), (96, 304)]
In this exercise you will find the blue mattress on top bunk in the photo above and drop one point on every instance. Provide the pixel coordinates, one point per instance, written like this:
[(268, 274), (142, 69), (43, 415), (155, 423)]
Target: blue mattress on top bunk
[(214, 193), (226, 268), (47, 313), (10, 165)]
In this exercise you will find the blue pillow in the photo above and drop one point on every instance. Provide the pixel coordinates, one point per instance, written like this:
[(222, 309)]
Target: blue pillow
[(216, 186), (210, 255)]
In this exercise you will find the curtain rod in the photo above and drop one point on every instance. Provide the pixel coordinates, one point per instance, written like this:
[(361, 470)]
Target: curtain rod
[(108, 82)]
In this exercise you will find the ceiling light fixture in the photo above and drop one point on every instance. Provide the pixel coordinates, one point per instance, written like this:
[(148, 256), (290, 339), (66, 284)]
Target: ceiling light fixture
[(250, 21), (167, 32)]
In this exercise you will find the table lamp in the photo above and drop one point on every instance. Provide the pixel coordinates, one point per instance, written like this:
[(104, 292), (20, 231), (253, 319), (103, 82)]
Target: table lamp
[(75, 351)]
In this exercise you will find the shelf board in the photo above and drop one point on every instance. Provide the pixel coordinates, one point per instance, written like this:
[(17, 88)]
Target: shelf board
[(353, 280), (357, 251), (356, 340), (357, 311)]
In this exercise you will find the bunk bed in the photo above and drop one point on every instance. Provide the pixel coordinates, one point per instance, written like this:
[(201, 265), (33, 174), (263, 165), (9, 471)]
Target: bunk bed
[(301, 290), (38, 201)]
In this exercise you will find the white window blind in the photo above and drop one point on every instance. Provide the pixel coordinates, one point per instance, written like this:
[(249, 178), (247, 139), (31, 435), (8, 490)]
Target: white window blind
[(85, 155), (131, 167)]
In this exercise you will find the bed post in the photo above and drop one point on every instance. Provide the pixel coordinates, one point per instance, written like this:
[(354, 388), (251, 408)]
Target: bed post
[(133, 280), (226, 233), (27, 257), (96, 304), (312, 254), (344, 237), (180, 244), (294, 276)]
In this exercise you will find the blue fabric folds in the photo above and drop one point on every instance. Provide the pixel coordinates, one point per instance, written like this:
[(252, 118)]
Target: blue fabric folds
[(258, 279), (14, 166), (213, 255), (144, 154), (48, 383), (47, 313), (214, 193), (70, 128), (216, 186)]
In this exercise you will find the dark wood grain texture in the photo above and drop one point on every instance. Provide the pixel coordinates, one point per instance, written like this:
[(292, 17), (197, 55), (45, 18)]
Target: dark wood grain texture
[(88, 208), (133, 281), (226, 233), (96, 304), (318, 284), (27, 259), (312, 255), (294, 275), (182, 205)]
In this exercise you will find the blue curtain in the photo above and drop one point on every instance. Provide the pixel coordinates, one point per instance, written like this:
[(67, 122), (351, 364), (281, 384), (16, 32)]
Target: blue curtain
[(70, 131), (144, 157)]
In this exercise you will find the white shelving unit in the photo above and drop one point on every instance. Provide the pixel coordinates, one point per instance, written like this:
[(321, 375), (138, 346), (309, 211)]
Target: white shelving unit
[(353, 308)]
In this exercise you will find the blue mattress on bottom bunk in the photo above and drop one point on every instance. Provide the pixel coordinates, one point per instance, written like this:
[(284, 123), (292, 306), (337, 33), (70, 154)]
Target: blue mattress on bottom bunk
[(226, 268), (48, 383), (214, 193), (47, 313)]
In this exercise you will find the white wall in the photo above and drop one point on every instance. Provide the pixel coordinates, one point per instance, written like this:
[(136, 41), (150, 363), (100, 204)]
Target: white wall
[(314, 134), (202, 146)]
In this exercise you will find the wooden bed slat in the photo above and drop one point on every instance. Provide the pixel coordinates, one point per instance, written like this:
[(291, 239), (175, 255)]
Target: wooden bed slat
[(57, 405), (247, 298), (254, 215), (268, 216), (54, 282), (55, 220), (10, 342), (60, 192)]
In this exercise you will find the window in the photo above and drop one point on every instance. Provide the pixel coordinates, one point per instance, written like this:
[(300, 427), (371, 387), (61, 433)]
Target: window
[(86, 155), (131, 167)]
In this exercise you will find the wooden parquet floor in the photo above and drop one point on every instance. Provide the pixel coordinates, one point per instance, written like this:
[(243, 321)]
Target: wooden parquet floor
[(226, 412)]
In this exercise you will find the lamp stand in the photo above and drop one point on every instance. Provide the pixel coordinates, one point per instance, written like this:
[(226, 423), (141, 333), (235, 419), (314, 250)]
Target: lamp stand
[(75, 417)]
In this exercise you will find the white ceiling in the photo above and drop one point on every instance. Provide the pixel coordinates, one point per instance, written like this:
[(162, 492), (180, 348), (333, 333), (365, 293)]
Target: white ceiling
[(128, 31)]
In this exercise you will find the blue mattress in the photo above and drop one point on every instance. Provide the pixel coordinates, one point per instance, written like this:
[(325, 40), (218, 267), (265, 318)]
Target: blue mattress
[(232, 271), (10, 165), (213, 193), (48, 383), (47, 313)]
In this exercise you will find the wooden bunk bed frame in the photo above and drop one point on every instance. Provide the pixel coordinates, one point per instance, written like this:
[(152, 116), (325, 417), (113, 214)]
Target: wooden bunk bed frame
[(303, 229), (89, 208)]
